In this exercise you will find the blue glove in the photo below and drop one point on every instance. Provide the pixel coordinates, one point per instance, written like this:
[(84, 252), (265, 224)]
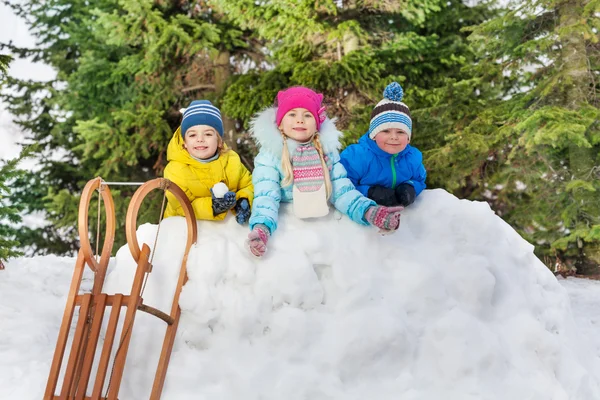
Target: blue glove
[(242, 211), (222, 205)]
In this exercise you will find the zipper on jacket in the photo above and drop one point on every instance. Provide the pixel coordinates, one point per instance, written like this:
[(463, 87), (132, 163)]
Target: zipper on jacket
[(393, 165)]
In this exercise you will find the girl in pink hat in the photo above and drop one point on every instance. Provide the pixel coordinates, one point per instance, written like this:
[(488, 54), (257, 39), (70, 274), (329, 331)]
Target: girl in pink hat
[(299, 162)]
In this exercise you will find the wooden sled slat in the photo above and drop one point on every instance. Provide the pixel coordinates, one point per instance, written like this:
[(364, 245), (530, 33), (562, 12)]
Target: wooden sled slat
[(98, 316), (128, 323), (63, 334), (76, 348), (108, 344)]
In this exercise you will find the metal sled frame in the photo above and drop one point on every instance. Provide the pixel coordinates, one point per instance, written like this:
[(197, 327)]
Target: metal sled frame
[(92, 306)]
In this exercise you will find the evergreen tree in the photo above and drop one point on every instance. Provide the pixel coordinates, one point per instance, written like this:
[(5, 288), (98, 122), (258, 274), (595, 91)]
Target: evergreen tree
[(350, 50), (10, 216), (509, 116), (124, 68), (540, 136)]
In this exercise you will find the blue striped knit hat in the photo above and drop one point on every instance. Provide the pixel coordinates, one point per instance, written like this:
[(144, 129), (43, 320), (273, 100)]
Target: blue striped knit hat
[(201, 112), (391, 112)]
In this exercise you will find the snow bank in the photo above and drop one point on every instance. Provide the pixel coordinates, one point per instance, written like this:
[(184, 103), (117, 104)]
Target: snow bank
[(454, 305), (33, 293)]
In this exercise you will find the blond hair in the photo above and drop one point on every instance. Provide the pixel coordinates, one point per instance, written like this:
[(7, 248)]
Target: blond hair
[(286, 164), (221, 146)]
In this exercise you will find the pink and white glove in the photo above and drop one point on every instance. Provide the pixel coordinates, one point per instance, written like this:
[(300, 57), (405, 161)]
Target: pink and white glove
[(257, 240), (385, 218)]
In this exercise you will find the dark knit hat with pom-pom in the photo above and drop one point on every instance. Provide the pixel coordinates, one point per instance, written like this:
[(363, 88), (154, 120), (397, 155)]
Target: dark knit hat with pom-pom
[(391, 112)]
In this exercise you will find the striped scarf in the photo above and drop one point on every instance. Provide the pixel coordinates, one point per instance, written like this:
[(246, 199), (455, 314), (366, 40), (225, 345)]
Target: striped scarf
[(306, 165)]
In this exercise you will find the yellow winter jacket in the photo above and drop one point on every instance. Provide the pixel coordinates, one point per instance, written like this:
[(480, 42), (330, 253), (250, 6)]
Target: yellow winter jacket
[(196, 179)]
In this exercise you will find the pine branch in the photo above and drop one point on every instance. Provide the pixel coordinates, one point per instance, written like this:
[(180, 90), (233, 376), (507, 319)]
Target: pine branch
[(4, 61)]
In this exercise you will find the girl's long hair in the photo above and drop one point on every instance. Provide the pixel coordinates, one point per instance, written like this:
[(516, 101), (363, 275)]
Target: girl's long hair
[(286, 164)]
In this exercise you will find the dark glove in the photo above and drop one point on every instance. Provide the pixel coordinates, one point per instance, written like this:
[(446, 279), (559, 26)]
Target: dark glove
[(222, 205), (382, 196), (405, 194), (242, 211)]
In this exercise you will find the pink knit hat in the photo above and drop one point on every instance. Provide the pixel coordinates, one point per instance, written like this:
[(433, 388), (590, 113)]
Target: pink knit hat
[(300, 97)]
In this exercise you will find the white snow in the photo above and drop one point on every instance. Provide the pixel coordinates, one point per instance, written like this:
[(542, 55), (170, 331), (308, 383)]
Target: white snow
[(520, 186), (585, 299), (219, 190), (454, 305)]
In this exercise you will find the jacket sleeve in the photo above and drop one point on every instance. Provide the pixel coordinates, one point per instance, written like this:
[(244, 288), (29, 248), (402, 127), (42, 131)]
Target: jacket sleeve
[(344, 195), (351, 160), (202, 206), (267, 191), (419, 175), (203, 209)]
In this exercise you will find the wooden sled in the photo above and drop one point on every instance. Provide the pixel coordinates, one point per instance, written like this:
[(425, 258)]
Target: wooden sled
[(93, 306)]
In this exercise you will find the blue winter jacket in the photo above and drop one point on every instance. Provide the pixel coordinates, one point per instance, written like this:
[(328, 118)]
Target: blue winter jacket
[(267, 174), (367, 165)]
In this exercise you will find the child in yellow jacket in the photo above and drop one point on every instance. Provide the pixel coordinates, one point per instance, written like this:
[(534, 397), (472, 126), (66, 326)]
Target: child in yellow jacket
[(200, 163)]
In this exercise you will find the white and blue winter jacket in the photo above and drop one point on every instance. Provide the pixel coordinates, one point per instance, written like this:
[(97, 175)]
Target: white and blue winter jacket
[(267, 174)]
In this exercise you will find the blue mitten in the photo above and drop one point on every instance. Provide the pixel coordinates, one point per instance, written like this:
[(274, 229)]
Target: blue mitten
[(221, 205), (242, 211)]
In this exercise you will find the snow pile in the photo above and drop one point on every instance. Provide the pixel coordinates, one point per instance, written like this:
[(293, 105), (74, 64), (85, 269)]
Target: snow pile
[(454, 305), (584, 295)]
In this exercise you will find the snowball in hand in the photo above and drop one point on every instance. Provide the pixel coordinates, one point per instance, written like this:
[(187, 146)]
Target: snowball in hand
[(219, 190)]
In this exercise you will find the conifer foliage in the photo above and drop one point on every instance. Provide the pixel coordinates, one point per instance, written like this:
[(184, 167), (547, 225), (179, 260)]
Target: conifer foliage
[(124, 69), (539, 158), (504, 100), (10, 215)]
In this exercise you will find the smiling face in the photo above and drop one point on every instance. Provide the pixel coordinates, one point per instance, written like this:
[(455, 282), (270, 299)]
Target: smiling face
[(392, 140), (299, 124), (201, 141)]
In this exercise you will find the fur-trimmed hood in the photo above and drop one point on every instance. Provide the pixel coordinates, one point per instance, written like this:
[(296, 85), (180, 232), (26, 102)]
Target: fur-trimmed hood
[(267, 136)]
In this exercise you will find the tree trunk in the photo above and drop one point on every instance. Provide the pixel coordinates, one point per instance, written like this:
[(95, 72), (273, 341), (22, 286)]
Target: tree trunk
[(581, 159), (222, 74), (350, 44)]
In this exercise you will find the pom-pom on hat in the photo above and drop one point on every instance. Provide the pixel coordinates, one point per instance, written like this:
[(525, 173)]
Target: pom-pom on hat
[(391, 112)]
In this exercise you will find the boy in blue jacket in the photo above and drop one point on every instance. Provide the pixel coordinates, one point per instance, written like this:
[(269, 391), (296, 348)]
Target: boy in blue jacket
[(383, 165)]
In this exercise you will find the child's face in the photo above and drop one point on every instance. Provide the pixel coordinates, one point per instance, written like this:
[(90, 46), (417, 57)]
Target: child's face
[(392, 140), (299, 124), (201, 141)]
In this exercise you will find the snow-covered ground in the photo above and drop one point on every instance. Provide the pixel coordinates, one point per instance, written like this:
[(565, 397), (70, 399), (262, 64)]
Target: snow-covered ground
[(584, 295), (452, 306)]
